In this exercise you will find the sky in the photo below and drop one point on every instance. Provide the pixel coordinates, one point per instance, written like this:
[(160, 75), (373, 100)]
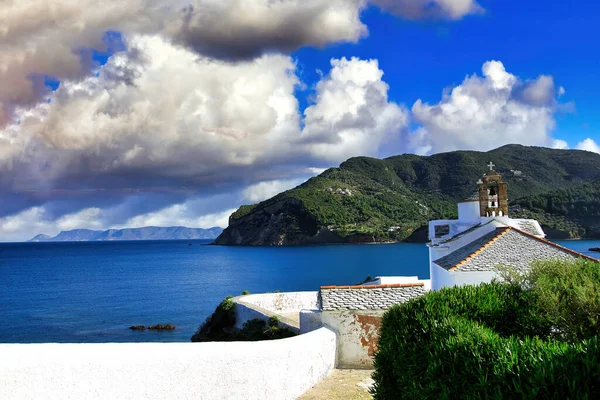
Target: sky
[(176, 112)]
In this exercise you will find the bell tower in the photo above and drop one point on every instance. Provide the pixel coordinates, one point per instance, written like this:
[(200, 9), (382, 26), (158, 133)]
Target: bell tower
[(493, 194)]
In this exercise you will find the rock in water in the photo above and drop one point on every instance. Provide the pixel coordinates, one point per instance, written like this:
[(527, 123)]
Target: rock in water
[(595, 249), (162, 327), (137, 328)]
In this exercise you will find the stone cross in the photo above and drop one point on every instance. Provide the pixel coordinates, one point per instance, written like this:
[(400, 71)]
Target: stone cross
[(491, 165)]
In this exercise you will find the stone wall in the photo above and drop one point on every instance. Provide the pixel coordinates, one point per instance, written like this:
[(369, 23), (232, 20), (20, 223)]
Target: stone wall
[(279, 369)]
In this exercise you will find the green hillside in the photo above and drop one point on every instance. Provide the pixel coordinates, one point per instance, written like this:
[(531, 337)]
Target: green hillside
[(565, 213), (368, 199)]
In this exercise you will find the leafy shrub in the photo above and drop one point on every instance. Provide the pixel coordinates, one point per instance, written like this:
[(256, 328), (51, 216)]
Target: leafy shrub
[(569, 294), (215, 327), (489, 341), (257, 329), (274, 321), (245, 293), (220, 327), (566, 292)]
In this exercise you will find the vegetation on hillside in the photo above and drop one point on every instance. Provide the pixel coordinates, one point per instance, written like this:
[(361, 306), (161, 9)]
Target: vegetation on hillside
[(390, 199), (575, 209), (533, 336)]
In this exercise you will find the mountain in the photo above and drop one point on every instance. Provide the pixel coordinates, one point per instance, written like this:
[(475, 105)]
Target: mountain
[(147, 233), (392, 199), (41, 238)]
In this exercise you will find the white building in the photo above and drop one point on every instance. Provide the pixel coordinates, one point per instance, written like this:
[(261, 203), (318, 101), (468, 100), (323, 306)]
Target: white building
[(468, 250)]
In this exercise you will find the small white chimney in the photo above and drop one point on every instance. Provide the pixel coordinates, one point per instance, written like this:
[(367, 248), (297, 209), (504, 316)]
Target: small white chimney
[(469, 211)]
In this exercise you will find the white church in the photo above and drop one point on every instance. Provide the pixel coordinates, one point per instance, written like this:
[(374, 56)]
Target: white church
[(468, 250)]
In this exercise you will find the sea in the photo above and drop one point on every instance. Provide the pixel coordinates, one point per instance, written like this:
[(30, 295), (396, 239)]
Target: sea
[(94, 291)]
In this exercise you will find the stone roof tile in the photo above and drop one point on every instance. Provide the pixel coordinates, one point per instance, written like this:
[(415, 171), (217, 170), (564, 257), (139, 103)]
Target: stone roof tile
[(504, 247), (380, 297)]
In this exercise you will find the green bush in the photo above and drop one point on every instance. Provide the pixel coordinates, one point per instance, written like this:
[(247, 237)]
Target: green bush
[(569, 294), (257, 329), (220, 327), (216, 326), (495, 340)]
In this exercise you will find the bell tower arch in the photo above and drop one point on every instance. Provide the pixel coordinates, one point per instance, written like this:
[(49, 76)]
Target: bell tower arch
[(493, 194)]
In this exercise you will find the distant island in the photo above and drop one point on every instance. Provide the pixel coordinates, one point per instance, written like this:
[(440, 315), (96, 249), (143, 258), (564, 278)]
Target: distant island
[(146, 233), (369, 200)]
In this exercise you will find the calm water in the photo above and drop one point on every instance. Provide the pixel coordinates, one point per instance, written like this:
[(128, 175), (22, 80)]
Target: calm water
[(92, 292)]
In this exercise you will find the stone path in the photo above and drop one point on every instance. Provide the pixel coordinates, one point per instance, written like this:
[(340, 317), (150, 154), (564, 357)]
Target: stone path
[(342, 384)]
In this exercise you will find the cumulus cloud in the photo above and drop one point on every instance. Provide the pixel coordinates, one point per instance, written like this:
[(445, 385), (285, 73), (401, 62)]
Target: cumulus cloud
[(352, 114), (176, 117), (433, 9), (486, 112), (264, 190), (47, 38), (560, 144), (41, 38), (241, 29), (589, 145)]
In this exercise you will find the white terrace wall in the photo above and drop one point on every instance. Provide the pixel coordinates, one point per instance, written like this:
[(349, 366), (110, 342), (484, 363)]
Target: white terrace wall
[(357, 334), (285, 306), (278, 369)]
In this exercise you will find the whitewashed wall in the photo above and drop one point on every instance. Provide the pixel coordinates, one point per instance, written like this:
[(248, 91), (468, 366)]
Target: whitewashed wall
[(283, 302), (265, 305), (472, 278), (439, 277), (442, 278), (279, 369)]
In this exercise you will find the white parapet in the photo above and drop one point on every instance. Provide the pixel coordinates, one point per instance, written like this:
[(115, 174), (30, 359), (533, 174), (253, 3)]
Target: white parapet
[(285, 306), (277, 369)]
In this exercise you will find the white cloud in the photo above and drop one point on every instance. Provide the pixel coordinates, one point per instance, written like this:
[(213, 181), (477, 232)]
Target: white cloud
[(180, 215), (247, 28), (135, 118), (436, 9), (589, 145), (39, 37), (264, 190), (315, 171), (235, 119), (560, 144), (352, 114), (36, 220), (486, 112)]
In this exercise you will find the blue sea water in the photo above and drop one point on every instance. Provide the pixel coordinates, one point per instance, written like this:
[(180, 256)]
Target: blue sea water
[(92, 292)]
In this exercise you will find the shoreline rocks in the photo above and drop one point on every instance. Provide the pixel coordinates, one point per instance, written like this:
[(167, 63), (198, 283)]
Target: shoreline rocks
[(162, 327), (157, 327), (137, 328)]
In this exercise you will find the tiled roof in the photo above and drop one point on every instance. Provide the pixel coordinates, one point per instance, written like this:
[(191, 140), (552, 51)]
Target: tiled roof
[(528, 226), (504, 246), (374, 297)]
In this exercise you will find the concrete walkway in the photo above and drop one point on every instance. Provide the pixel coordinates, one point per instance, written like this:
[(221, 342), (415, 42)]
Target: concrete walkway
[(342, 384)]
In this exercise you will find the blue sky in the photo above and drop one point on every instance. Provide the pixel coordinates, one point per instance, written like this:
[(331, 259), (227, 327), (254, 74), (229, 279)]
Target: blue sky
[(176, 112)]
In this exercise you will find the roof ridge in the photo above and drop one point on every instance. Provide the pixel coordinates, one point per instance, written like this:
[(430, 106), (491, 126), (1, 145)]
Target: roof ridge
[(556, 245), (385, 286), (483, 247)]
